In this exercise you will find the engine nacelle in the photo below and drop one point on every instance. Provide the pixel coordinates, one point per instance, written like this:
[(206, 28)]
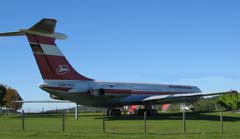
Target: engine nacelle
[(97, 92)]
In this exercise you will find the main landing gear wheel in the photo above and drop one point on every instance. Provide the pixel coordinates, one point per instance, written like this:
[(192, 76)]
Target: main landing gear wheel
[(150, 112), (114, 112)]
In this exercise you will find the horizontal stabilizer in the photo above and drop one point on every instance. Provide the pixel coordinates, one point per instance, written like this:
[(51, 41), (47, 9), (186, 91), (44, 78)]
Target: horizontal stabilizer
[(45, 27), (18, 33)]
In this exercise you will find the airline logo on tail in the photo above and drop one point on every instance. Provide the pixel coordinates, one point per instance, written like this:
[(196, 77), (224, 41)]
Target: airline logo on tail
[(62, 69)]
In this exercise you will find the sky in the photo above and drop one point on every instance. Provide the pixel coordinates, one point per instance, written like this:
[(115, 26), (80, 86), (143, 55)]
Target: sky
[(155, 41)]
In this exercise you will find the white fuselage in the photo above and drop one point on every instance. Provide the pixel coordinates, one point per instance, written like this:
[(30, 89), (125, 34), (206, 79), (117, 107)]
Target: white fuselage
[(111, 94)]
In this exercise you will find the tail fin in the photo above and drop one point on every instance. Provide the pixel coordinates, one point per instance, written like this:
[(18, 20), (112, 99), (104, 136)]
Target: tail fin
[(51, 62)]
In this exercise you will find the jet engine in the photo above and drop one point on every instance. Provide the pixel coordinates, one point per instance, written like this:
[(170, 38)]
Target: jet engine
[(97, 92)]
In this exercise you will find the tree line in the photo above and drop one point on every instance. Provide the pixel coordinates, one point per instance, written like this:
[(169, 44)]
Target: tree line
[(226, 102), (7, 97)]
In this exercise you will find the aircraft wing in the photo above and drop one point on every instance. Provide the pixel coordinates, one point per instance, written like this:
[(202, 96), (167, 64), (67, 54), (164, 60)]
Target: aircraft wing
[(162, 99)]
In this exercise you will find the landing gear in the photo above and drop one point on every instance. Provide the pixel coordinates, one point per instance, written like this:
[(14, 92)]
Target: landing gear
[(114, 112), (150, 112), (148, 108)]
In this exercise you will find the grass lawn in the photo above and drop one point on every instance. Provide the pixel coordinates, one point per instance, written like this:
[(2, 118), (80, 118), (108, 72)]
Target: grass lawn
[(89, 126)]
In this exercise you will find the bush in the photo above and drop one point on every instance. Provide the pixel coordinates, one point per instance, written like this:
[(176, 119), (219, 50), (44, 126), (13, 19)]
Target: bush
[(230, 101), (207, 104)]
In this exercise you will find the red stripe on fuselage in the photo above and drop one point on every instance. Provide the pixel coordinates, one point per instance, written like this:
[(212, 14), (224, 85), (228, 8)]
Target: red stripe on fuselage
[(157, 93), (124, 92), (120, 92)]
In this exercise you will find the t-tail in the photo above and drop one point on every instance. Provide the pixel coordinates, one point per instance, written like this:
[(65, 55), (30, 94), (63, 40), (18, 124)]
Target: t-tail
[(51, 62)]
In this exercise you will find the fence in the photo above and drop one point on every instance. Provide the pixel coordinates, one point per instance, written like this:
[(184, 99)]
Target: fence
[(96, 122)]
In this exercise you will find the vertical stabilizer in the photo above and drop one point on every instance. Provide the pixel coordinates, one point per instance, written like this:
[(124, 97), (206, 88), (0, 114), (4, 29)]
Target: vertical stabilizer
[(51, 62)]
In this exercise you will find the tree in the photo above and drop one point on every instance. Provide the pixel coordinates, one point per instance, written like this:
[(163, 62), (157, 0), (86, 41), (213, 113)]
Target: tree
[(230, 101), (3, 92), (206, 104), (12, 95)]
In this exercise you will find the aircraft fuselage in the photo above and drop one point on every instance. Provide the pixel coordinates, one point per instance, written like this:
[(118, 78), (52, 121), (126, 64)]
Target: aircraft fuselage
[(106, 94)]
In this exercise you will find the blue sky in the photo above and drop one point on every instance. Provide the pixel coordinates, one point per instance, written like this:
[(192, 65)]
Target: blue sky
[(180, 42)]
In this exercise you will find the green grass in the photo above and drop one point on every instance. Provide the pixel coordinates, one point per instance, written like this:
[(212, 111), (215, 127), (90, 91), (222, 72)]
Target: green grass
[(89, 126)]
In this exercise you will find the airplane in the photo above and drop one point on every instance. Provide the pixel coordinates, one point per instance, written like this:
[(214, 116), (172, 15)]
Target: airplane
[(63, 82)]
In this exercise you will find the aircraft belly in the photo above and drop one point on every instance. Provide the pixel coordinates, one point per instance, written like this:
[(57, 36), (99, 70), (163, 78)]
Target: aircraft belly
[(84, 98)]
